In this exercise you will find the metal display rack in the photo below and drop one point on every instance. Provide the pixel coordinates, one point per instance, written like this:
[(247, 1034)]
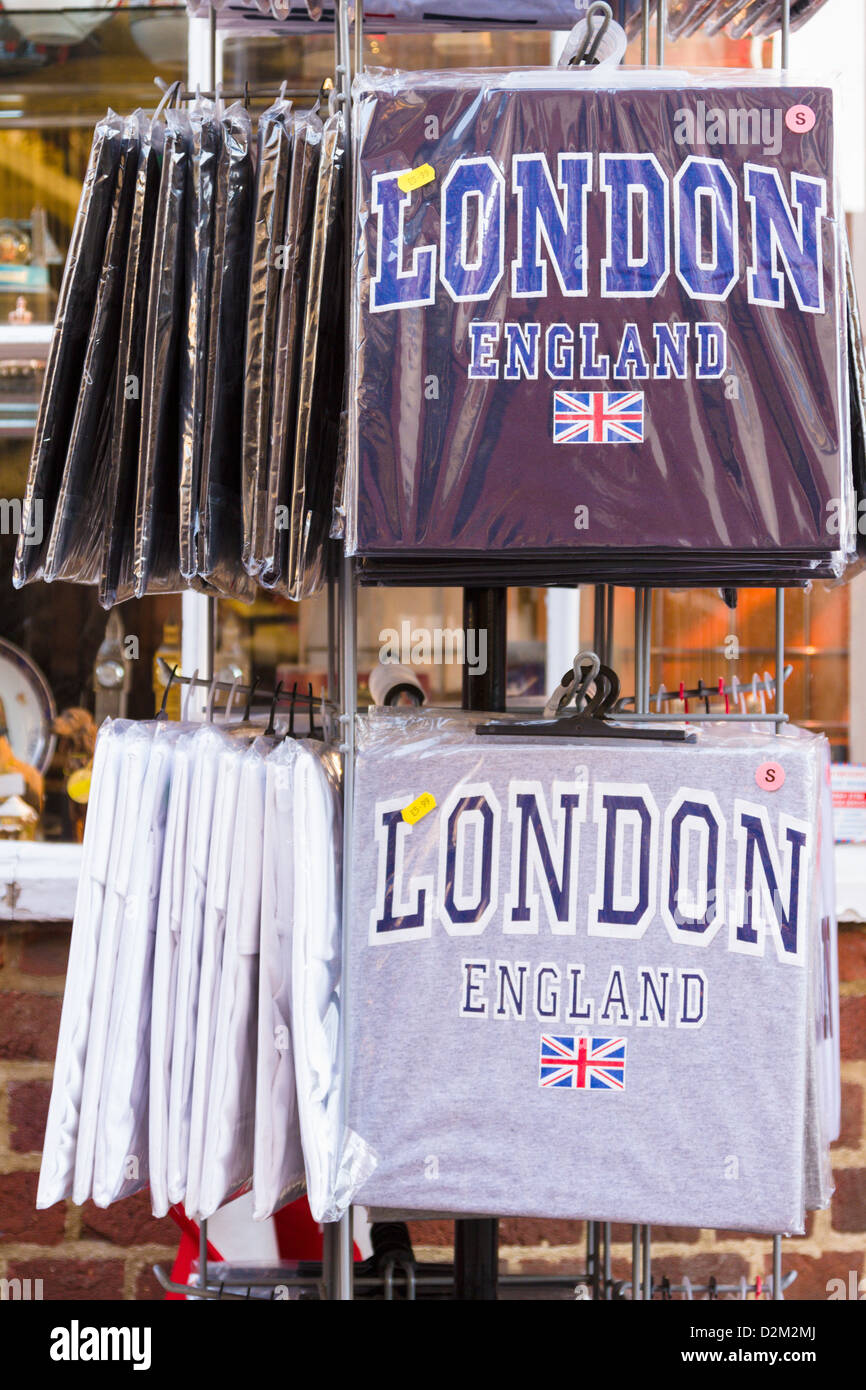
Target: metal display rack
[(474, 1276)]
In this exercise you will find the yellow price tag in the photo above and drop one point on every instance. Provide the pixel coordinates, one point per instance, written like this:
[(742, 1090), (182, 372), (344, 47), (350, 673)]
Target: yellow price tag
[(78, 786), (419, 808), (416, 178)]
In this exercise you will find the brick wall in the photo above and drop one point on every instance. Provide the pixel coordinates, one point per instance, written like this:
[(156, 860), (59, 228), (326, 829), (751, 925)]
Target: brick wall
[(77, 1252), (81, 1252)]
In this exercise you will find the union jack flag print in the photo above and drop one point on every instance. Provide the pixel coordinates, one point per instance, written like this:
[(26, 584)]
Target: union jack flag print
[(583, 1064), (598, 417)]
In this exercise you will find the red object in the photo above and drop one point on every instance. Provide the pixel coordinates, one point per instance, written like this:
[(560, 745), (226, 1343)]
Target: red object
[(299, 1237)]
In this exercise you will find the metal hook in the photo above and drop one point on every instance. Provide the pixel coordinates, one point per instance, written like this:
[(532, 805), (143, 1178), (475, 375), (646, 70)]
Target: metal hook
[(661, 696), (168, 93), (276, 695), (294, 697), (210, 699), (592, 39), (189, 690), (163, 709), (582, 680), (573, 684), (230, 700), (250, 693), (758, 693)]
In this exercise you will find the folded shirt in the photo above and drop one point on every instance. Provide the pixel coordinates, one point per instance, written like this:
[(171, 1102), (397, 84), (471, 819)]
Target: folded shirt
[(580, 981)]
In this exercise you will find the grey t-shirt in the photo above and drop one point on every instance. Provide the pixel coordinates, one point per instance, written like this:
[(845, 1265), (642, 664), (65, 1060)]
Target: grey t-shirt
[(579, 982)]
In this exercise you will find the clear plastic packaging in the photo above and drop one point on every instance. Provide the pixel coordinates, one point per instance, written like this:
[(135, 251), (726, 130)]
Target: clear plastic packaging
[(268, 248), (320, 376), (63, 372), (116, 581), (539, 374), (200, 205), (64, 1109), (558, 949), (220, 501), (157, 551), (75, 543), (276, 505)]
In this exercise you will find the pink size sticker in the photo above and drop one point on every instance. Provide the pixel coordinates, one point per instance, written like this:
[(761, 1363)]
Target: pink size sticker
[(800, 119), (770, 777)]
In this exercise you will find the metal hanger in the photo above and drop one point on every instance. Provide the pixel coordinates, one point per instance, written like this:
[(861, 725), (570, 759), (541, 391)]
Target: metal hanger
[(163, 709), (587, 53), (591, 721)]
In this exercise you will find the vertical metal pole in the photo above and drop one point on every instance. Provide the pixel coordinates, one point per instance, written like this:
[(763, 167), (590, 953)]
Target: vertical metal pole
[(198, 612), (647, 650), (780, 709), (645, 33), (607, 1279), (786, 33), (339, 1267), (647, 1264), (639, 649), (476, 1243), (635, 1263), (332, 637), (598, 622), (596, 1261), (661, 30), (202, 1255), (358, 63), (590, 1254), (609, 624)]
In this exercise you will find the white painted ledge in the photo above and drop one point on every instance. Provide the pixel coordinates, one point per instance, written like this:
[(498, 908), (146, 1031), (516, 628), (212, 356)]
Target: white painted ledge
[(38, 881)]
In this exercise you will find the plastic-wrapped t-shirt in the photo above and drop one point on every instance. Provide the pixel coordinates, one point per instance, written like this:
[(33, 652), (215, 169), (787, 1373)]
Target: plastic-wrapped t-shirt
[(584, 958), (278, 1168), (207, 745), (336, 1159), (268, 249), (200, 205), (66, 356), (120, 1164), (220, 538), (75, 543), (157, 548), (223, 842), (116, 580), (277, 504), (64, 1109), (227, 1162), (538, 373), (320, 376), (165, 970)]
